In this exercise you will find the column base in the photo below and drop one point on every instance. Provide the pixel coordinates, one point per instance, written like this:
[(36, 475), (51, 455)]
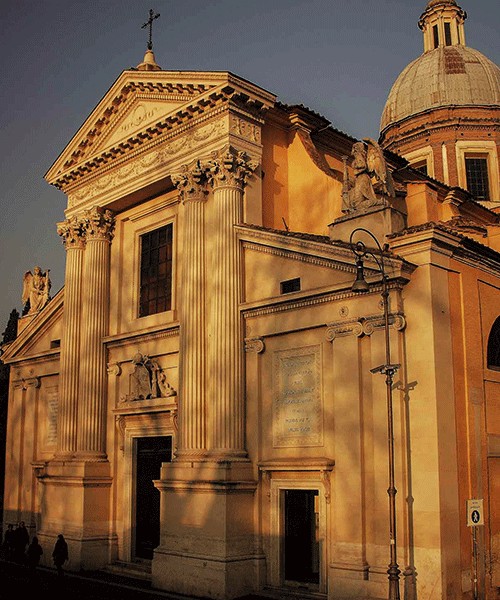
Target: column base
[(208, 544), (75, 502)]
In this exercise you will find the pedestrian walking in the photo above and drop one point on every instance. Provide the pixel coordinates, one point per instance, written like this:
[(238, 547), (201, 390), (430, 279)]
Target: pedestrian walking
[(34, 553), (21, 540), (60, 554), (9, 542)]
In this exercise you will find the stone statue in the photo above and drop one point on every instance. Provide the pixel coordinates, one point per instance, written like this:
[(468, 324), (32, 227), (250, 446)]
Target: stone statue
[(36, 288), (368, 163), (148, 380)]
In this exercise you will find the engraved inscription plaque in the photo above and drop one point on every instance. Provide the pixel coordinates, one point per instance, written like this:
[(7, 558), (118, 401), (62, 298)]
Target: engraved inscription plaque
[(52, 409), (297, 402)]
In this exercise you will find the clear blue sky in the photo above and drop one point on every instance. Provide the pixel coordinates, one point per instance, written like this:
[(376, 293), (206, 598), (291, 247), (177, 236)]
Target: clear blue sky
[(59, 57)]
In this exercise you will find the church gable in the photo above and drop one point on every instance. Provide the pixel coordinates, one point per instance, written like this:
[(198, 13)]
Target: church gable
[(142, 106), (39, 336)]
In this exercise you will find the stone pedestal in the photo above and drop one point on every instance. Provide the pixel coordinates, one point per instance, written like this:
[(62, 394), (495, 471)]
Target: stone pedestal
[(75, 502), (208, 547), (380, 220)]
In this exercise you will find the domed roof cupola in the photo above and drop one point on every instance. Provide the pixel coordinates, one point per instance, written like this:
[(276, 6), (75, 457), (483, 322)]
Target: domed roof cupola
[(448, 73), (443, 24)]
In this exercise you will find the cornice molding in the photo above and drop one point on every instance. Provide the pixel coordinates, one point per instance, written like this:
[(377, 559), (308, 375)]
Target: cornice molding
[(132, 337), (295, 255), (280, 305), (219, 90)]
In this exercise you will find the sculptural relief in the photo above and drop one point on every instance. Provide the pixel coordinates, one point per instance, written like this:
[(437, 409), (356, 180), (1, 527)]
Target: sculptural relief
[(370, 172), (36, 290), (148, 380)]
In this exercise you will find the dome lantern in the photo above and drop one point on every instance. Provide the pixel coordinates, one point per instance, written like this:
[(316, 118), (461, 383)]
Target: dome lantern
[(442, 24)]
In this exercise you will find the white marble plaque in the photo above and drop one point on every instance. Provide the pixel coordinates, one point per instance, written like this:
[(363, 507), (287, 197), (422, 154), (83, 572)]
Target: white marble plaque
[(297, 402)]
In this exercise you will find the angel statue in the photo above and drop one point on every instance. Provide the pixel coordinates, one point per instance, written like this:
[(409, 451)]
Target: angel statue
[(36, 288), (368, 162)]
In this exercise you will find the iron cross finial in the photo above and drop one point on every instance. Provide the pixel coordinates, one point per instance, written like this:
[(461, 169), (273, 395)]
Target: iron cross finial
[(149, 23)]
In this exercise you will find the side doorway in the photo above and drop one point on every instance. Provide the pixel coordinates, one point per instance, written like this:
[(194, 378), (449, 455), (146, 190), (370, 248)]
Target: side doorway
[(298, 535), (301, 551), (150, 453)]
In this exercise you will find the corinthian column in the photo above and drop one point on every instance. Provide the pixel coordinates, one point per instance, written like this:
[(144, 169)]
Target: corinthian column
[(99, 225), (73, 238), (191, 183), (228, 171)]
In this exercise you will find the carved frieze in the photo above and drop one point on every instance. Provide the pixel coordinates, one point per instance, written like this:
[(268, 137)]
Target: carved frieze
[(244, 129), (138, 166)]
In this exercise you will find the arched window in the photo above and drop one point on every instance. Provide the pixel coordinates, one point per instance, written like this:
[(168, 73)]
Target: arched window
[(493, 356)]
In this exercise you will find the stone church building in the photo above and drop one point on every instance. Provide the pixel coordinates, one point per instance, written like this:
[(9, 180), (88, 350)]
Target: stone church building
[(209, 403)]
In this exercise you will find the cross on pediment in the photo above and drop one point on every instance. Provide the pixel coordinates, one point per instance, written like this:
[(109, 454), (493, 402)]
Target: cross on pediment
[(149, 23)]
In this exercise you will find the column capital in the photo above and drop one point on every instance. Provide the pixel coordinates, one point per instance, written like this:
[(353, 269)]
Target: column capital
[(99, 224), (191, 182), (229, 167), (72, 233)]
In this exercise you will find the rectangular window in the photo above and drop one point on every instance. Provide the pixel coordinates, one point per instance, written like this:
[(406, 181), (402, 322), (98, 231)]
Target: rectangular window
[(291, 285), (476, 170), (436, 36), (156, 271), (421, 166), (447, 34)]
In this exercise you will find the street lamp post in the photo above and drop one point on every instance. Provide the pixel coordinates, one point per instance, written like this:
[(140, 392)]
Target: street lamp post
[(388, 369)]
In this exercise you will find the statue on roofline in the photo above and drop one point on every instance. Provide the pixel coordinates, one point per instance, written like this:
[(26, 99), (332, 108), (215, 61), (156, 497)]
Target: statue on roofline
[(36, 290), (368, 163)]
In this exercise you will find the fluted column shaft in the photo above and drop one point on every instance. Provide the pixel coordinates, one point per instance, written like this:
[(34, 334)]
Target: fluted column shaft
[(95, 300), (228, 172), (74, 241), (192, 418)]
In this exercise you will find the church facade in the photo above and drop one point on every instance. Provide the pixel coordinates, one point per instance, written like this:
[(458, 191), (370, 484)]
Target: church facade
[(210, 403)]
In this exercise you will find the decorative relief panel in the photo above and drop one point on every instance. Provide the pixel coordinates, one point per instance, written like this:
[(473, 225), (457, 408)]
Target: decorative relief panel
[(297, 398), (244, 129), (147, 380), (162, 155)]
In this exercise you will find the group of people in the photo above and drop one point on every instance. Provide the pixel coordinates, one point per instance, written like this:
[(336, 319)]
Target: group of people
[(19, 548)]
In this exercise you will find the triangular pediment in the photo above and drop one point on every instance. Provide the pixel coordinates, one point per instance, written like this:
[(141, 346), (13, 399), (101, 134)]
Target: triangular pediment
[(40, 335), (143, 105), (139, 114)]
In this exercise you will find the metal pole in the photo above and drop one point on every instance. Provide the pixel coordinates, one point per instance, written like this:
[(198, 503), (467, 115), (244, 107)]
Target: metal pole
[(393, 570), (389, 369)]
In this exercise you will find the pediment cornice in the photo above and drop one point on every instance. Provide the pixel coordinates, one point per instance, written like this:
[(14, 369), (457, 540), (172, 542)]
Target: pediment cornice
[(19, 349), (142, 108)]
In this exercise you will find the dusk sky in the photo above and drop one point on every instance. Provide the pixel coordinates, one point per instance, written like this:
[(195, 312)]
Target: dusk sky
[(58, 59)]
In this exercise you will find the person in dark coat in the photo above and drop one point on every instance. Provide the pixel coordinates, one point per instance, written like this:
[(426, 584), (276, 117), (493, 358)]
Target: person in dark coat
[(9, 542), (60, 553), (33, 555), (34, 552), (21, 540)]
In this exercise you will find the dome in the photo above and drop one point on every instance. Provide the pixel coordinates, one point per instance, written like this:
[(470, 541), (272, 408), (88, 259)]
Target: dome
[(446, 76), (432, 3)]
